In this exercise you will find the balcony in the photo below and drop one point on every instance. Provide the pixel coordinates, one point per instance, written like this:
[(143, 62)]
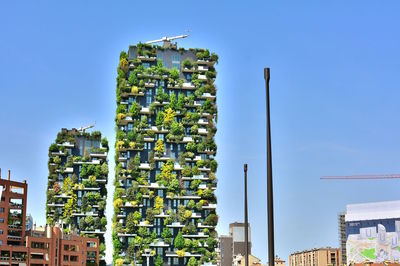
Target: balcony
[(209, 206), (67, 144), (188, 86), (202, 77), (202, 68), (95, 231), (146, 58), (203, 131), (144, 166), (199, 235), (145, 110), (175, 225)]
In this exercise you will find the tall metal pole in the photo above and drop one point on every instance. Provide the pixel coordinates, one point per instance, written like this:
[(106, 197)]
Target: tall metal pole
[(246, 220), (270, 196)]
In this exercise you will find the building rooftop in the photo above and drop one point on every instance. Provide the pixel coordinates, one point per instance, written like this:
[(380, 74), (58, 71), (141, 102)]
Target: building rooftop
[(373, 211)]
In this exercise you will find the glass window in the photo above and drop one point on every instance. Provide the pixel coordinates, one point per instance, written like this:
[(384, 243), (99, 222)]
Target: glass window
[(130, 126), (176, 61), (146, 65)]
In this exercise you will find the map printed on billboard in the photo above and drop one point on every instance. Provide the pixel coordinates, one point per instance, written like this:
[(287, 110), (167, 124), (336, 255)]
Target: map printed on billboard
[(373, 244)]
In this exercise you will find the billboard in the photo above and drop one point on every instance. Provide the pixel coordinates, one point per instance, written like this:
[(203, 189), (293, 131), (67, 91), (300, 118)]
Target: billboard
[(374, 244)]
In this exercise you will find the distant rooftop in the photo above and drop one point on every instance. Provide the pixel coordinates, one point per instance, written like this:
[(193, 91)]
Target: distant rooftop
[(373, 211)]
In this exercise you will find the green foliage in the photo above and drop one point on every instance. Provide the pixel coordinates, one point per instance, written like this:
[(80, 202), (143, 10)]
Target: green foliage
[(187, 63), (213, 165), (211, 219), (135, 109), (174, 74), (174, 186), (67, 186), (193, 262), (158, 261), (168, 117), (181, 102), (172, 101), (171, 217), (166, 234), (176, 128), (187, 171), (181, 214), (179, 241), (160, 148), (191, 204), (150, 215), (53, 148), (159, 119), (195, 170)]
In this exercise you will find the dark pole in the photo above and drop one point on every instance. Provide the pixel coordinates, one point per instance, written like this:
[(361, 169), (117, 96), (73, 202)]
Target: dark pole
[(270, 196), (246, 220)]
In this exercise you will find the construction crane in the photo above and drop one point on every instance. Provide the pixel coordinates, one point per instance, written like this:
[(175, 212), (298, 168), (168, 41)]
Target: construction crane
[(82, 129), (167, 40), (361, 177)]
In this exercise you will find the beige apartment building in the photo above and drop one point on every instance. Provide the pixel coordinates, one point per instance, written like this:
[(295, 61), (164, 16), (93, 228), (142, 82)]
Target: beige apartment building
[(316, 257)]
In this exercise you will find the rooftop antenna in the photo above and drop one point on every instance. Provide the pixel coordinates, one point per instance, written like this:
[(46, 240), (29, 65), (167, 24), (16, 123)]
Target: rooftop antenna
[(83, 128), (167, 40)]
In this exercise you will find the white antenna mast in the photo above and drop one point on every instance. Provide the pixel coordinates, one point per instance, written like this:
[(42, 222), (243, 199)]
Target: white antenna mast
[(167, 40)]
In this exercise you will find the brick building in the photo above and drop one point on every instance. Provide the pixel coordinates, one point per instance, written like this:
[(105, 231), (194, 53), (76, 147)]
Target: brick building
[(316, 257), (46, 246)]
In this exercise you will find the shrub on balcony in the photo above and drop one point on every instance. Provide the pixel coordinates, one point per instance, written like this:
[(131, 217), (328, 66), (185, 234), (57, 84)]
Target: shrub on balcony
[(211, 219), (180, 253), (181, 214), (187, 63), (171, 217), (166, 235), (176, 132), (179, 241), (131, 221), (187, 171), (158, 204), (180, 105), (150, 215), (213, 165), (193, 262), (121, 109), (159, 120), (134, 109), (158, 261), (160, 148), (168, 117), (56, 187), (174, 73), (189, 229), (195, 170), (194, 185)]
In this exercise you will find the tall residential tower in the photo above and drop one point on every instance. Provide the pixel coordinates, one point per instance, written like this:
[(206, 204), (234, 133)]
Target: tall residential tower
[(78, 171), (164, 198)]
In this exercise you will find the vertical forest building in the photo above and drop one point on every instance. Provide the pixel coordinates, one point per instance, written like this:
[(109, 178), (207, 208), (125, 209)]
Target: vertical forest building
[(164, 201), (76, 195)]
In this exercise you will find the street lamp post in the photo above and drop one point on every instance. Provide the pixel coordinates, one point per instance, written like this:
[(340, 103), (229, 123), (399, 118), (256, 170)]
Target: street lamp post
[(270, 198), (246, 220)]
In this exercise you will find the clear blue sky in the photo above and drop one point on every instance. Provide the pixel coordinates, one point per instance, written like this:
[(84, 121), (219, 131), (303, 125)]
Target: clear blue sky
[(334, 91)]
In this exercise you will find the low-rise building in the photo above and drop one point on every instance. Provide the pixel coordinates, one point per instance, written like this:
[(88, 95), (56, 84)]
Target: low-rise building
[(240, 260), (39, 246), (316, 257), (278, 262)]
